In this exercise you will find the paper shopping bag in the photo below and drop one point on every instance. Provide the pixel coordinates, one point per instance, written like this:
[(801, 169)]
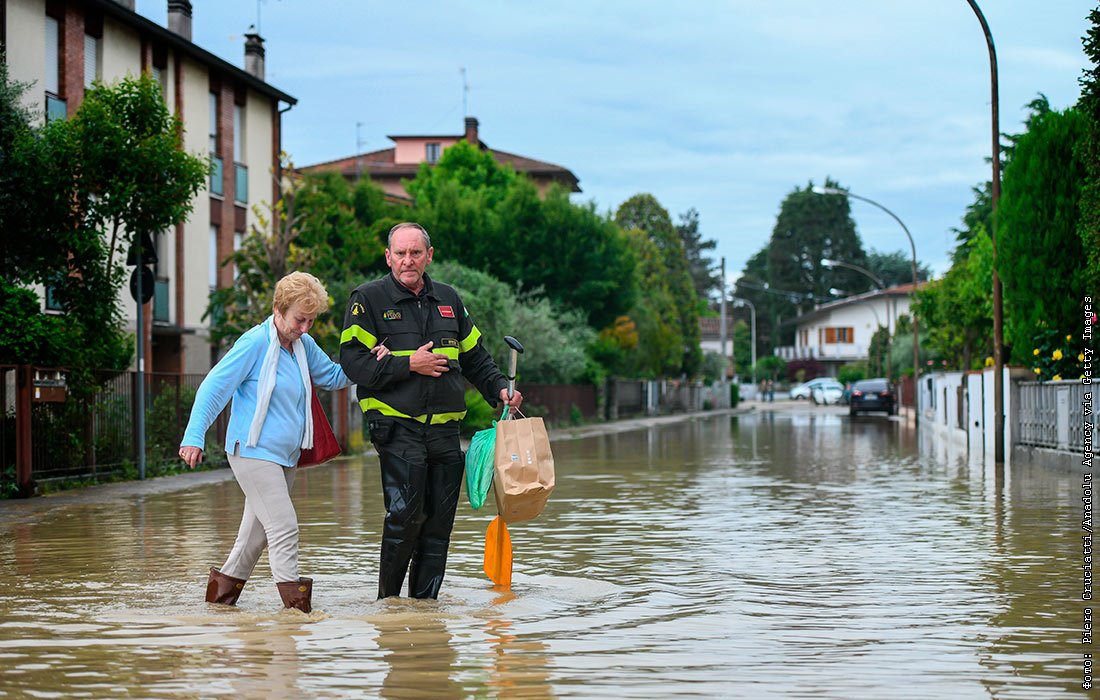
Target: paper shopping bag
[(523, 476)]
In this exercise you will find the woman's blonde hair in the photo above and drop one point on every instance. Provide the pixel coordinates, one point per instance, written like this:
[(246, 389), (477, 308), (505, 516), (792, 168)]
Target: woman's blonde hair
[(303, 289)]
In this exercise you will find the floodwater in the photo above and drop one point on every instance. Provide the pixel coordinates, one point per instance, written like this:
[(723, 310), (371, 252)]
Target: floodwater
[(796, 553)]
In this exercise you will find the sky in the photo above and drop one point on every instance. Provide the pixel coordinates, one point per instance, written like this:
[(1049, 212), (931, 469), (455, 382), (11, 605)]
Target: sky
[(721, 106)]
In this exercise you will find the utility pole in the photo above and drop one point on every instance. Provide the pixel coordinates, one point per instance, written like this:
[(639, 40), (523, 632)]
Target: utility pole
[(722, 319)]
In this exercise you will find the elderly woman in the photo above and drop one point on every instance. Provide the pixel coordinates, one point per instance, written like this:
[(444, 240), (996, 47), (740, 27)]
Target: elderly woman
[(269, 374)]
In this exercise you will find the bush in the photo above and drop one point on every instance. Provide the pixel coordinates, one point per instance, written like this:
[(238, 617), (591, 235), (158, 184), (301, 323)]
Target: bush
[(851, 372)]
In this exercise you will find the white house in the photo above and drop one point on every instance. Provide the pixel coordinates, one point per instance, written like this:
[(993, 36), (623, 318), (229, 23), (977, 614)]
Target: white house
[(840, 331)]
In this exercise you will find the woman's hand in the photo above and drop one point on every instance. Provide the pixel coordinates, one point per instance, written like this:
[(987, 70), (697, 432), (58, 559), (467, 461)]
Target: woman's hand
[(380, 351), (191, 456)]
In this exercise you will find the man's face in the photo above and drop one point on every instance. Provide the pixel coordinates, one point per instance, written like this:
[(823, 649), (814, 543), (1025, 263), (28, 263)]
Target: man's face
[(408, 258)]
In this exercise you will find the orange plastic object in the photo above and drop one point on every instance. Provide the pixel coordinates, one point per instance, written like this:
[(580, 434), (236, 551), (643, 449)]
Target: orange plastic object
[(498, 553)]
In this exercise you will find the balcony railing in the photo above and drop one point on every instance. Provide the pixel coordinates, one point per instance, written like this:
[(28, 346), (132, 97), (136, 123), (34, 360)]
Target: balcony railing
[(827, 351), (240, 183), (217, 177)]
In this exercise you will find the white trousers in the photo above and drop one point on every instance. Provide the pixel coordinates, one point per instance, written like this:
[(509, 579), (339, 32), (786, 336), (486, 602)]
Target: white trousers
[(269, 520)]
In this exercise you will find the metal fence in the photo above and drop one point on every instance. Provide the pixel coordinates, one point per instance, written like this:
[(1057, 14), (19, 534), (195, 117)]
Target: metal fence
[(49, 432), (1052, 414), (92, 435)]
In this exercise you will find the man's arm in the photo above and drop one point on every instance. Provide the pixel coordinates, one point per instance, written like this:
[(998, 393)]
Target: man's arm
[(477, 364), (359, 338)]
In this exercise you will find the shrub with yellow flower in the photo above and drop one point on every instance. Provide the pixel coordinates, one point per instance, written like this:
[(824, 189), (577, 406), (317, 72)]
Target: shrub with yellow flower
[(1053, 356)]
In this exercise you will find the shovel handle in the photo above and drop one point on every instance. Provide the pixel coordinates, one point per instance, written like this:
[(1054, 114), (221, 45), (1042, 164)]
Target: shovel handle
[(517, 348)]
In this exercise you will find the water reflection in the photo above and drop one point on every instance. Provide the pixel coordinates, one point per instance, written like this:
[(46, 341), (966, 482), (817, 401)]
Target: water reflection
[(794, 553), (417, 648)]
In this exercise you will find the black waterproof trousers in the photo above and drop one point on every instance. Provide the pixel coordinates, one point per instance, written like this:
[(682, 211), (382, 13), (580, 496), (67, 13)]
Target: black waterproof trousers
[(422, 468)]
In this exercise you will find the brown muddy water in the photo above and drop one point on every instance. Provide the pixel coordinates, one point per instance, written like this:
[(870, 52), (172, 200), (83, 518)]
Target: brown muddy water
[(790, 554)]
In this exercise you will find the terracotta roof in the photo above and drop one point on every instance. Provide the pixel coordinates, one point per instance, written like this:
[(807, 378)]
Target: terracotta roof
[(902, 290), (380, 164)]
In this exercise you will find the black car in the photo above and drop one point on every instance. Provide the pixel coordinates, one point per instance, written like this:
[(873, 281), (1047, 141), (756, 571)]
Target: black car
[(872, 395)]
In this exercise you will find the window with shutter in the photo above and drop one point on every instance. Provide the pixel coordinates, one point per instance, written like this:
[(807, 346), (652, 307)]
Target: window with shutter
[(53, 56), (91, 59)]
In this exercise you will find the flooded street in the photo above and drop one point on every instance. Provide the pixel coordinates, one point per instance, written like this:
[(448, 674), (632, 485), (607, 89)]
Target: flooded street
[(796, 553)]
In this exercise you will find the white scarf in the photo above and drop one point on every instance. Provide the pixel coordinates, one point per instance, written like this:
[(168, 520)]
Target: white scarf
[(267, 385)]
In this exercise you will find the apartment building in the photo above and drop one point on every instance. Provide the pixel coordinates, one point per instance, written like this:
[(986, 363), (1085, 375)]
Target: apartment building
[(228, 112)]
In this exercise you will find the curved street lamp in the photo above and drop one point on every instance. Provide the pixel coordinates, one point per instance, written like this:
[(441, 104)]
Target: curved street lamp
[(852, 266), (875, 279), (912, 314), (994, 196)]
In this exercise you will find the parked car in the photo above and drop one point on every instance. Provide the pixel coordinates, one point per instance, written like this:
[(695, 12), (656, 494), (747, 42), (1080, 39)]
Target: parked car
[(803, 390), (872, 395), (830, 392)]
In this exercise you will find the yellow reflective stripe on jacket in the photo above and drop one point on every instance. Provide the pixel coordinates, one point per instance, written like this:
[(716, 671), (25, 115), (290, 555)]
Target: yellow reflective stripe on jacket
[(369, 404), (357, 332), (469, 341), (451, 353), (447, 417), (385, 409)]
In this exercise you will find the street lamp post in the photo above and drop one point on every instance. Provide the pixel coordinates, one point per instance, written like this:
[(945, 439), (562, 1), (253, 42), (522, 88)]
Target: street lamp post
[(994, 196), (852, 266), (752, 335), (912, 314)]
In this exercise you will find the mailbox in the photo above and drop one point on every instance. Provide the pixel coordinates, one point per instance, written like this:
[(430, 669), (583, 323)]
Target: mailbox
[(49, 385)]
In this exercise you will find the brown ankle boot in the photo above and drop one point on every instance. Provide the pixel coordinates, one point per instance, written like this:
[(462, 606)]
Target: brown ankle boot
[(223, 589), (297, 594)]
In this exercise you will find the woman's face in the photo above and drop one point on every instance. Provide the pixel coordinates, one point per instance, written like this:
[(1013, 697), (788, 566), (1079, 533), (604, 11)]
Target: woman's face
[(293, 324)]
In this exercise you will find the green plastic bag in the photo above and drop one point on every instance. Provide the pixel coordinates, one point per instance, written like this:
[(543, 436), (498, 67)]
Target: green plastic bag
[(479, 464)]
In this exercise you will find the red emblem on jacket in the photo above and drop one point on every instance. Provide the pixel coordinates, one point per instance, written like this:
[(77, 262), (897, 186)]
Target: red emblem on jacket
[(446, 312)]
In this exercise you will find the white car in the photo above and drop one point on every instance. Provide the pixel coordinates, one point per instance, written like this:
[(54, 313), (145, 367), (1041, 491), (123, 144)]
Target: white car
[(830, 392), (803, 390)]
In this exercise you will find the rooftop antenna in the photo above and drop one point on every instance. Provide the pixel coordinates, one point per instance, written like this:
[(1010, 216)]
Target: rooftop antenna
[(465, 92), (258, 4), (359, 143)]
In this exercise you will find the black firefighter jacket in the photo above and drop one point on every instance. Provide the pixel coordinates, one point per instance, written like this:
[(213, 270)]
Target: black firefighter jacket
[(385, 311)]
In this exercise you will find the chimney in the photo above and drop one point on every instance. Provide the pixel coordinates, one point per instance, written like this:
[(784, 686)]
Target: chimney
[(254, 53), (179, 17), (471, 132)]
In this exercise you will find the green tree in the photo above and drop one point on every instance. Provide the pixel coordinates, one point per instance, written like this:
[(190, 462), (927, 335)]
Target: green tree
[(1088, 225), (113, 172), (483, 215), (786, 277), (555, 339), (1039, 247), (667, 260), (703, 269), (895, 268), (956, 311), (659, 351), (810, 228)]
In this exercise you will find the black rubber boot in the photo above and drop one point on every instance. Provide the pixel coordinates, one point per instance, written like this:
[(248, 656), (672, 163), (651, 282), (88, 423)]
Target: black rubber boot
[(223, 589), (429, 562), (403, 496)]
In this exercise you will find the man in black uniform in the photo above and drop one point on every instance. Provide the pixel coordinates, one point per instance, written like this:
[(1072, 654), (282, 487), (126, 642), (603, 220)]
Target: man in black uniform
[(410, 346)]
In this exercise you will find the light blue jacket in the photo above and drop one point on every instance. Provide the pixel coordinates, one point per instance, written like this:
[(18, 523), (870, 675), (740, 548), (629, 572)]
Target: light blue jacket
[(237, 376)]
